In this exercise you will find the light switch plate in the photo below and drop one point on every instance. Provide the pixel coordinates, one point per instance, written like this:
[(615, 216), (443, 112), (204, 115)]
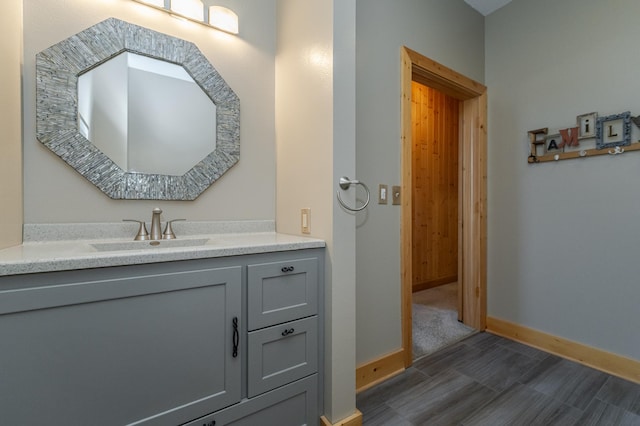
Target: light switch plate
[(395, 195), (383, 194), (305, 221)]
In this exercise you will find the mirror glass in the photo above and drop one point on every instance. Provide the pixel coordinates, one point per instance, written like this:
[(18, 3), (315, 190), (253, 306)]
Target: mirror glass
[(142, 115), (147, 115)]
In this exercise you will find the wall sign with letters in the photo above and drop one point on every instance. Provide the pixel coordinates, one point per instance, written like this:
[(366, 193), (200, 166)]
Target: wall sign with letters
[(591, 136)]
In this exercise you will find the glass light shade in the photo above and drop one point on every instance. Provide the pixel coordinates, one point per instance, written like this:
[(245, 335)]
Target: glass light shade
[(156, 3), (193, 9), (223, 19)]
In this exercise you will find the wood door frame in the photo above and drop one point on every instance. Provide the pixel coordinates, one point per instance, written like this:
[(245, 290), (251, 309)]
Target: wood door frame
[(472, 216)]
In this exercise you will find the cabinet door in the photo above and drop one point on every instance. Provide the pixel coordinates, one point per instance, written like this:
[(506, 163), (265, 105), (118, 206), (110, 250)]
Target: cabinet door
[(150, 349), (281, 291), (281, 354)]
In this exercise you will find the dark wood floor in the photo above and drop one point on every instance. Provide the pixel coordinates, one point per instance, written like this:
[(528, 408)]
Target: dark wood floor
[(489, 380)]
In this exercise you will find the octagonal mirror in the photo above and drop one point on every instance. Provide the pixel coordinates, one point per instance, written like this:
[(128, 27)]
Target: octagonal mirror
[(140, 114)]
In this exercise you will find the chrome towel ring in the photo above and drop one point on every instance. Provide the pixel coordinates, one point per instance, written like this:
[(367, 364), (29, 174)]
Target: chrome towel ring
[(345, 183)]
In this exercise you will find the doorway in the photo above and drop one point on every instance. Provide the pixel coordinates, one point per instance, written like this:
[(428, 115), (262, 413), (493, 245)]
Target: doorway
[(435, 197), (471, 100)]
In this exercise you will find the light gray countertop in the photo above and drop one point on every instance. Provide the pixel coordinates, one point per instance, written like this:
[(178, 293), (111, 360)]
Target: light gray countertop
[(53, 254)]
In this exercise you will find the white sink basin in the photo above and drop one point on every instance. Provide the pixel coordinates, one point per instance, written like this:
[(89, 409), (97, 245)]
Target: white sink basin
[(148, 245)]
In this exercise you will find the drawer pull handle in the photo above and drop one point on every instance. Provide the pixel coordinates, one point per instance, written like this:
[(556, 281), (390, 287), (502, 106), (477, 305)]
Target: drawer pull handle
[(288, 332), (236, 337), (287, 269)]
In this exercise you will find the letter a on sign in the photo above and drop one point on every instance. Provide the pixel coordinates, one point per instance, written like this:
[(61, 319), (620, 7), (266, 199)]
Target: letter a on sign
[(569, 137)]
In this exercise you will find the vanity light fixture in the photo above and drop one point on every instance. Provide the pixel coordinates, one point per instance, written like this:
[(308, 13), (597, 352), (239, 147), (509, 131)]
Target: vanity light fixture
[(224, 19), (156, 3), (217, 17), (192, 9)]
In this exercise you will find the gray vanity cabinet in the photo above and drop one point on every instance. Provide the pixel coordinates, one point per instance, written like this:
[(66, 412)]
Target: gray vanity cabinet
[(165, 343)]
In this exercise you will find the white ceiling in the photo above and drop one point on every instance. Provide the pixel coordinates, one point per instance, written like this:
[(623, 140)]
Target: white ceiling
[(487, 6)]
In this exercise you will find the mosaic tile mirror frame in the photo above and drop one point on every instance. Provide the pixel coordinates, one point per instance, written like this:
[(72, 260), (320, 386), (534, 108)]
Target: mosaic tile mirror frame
[(57, 72)]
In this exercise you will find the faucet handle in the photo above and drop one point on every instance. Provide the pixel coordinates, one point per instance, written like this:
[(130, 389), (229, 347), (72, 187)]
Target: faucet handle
[(142, 231), (168, 231)]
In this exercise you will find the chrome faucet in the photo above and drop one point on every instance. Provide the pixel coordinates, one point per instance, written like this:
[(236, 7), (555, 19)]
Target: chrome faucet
[(156, 233)]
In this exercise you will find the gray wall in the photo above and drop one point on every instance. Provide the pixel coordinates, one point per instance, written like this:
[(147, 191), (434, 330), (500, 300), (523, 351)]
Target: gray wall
[(55, 193), (563, 237), (447, 31)]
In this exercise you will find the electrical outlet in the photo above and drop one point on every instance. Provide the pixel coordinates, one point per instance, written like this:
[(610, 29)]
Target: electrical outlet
[(395, 195), (305, 221), (383, 194)]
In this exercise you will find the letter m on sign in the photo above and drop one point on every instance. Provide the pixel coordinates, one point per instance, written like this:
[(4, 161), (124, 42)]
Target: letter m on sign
[(569, 137)]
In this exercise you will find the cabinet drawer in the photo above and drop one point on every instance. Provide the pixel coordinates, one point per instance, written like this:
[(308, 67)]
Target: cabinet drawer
[(293, 405), (281, 291), (281, 354)]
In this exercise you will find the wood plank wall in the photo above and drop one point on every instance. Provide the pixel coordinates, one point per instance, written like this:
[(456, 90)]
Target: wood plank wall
[(435, 127)]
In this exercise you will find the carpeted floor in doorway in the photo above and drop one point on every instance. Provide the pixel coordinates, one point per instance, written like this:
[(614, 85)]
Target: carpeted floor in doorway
[(435, 320)]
